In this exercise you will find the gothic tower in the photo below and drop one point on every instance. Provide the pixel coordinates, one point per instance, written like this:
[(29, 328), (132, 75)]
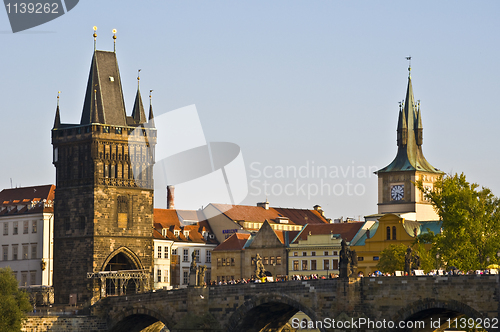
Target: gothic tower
[(396, 190), (103, 212)]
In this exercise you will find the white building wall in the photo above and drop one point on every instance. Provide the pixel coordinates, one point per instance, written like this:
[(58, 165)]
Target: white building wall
[(162, 255), (28, 265), (205, 251)]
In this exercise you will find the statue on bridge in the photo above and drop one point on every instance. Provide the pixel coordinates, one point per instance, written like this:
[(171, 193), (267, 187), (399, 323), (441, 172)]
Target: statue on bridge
[(193, 271), (345, 254), (416, 261), (201, 275), (353, 263), (408, 261), (260, 271)]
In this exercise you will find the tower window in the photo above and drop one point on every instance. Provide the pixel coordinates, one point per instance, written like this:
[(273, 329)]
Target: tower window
[(394, 232), (388, 231)]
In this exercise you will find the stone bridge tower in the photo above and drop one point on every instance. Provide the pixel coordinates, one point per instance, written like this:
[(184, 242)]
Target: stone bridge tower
[(103, 212), (396, 190)]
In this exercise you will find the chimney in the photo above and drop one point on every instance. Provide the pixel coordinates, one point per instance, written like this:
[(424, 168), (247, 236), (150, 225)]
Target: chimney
[(170, 197), (320, 210), (264, 205)]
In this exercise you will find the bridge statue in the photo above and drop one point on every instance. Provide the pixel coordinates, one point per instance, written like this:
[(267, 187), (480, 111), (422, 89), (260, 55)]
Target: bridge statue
[(344, 261), (193, 271), (201, 275), (408, 258), (416, 261), (354, 264), (260, 271)]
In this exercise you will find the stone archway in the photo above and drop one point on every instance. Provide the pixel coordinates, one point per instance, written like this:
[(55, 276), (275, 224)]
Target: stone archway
[(270, 312), (427, 310), (137, 319), (122, 273)]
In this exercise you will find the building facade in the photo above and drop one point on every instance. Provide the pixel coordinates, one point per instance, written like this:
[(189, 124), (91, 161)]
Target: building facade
[(27, 221), (103, 211)]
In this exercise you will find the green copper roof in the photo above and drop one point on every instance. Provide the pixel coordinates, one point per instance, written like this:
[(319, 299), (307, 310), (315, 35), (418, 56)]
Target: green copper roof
[(410, 138)]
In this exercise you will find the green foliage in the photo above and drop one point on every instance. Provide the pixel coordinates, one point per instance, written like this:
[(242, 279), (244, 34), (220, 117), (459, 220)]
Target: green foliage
[(14, 303), (471, 222), (392, 258)]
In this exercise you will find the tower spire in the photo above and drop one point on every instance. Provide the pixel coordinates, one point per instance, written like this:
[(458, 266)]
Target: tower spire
[(57, 120), (138, 111), (151, 120), (114, 40)]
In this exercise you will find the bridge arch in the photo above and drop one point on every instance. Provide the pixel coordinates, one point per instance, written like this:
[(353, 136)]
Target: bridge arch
[(269, 311), (427, 309), (128, 254), (136, 319)]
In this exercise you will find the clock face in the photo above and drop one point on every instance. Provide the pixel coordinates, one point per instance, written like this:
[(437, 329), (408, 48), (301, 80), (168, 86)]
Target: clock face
[(397, 192)]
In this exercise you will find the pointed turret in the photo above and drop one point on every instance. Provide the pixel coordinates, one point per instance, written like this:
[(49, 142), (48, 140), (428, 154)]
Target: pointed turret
[(57, 120), (410, 138), (138, 112), (151, 118)]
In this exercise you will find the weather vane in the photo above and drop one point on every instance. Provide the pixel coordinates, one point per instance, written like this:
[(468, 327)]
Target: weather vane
[(138, 77), (95, 37), (409, 65), (114, 40)]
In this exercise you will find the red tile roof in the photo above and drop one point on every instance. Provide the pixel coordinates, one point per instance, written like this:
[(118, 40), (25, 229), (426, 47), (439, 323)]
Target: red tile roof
[(32, 199), (260, 214), (346, 230), (169, 219), (234, 242)]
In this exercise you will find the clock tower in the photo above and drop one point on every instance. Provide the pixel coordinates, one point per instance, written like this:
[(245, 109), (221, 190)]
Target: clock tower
[(396, 190)]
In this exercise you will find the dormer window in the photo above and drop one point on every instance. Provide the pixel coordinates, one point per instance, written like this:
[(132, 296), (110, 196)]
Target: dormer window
[(164, 232), (186, 234), (177, 232)]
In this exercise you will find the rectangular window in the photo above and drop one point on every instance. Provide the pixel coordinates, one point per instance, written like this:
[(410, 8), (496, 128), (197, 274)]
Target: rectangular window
[(32, 277), (335, 264), (166, 275), (375, 258), (313, 264), (174, 251), (361, 258), (232, 261), (272, 261), (5, 228), (304, 265), (159, 252), (185, 256), (34, 226), (265, 261), (26, 227), (278, 260), (14, 252), (326, 264), (313, 253), (158, 275), (198, 258), (295, 253), (15, 228), (304, 253), (334, 253), (25, 251), (24, 278), (186, 277), (326, 253), (219, 262), (5, 253), (223, 262), (295, 265), (34, 251), (208, 256)]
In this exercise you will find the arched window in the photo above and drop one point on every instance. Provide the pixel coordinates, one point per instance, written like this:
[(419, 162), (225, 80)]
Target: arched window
[(388, 229), (394, 232)]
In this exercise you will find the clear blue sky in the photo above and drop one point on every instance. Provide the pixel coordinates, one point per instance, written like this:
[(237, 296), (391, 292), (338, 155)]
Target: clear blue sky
[(291, 82)]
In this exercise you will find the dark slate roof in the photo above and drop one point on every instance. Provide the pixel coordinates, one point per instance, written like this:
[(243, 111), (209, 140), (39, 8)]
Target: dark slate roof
[(104, 77), (410, 156), (138, 112)]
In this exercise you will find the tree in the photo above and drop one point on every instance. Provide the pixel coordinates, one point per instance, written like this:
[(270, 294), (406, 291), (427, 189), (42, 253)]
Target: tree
[(14, 303), (392, 258), (470, 222)]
